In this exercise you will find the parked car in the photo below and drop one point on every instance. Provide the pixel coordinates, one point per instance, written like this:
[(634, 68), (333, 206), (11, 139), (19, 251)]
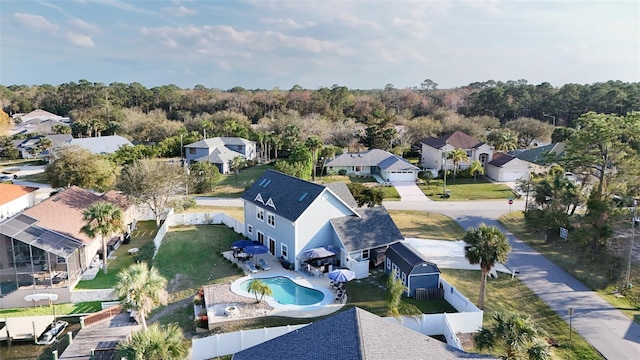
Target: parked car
[(5, 178)]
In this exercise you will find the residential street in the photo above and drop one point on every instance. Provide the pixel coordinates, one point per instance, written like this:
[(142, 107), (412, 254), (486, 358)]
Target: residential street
[(606, 328)]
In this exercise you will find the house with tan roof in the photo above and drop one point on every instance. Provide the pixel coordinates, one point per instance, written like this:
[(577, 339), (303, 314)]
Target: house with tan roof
[(43, 249), (15, 198)]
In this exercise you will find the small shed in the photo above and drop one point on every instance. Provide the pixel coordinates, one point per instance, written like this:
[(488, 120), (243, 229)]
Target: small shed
[(411, 267)]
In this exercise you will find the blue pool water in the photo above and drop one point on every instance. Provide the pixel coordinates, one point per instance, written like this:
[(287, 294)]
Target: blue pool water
[(287, 292)]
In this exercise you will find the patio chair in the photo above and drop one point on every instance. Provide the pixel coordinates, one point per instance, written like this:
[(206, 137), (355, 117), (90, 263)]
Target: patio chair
[(263, 265), (251, 267)]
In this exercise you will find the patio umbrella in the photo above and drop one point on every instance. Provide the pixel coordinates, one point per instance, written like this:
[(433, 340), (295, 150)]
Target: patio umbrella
[(341, 275), (256, 250), (242, 243), (318, 253)]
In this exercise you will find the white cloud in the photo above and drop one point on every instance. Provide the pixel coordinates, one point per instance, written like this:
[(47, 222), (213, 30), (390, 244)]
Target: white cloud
[(34, 22), (83, 25), (180, 11), (80, 40)]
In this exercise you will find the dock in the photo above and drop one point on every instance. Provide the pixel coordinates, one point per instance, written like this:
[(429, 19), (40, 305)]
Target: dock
[(22, 328), (100, 338)]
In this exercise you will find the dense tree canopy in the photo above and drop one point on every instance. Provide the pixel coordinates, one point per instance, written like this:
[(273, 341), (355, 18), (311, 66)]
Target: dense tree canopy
[(72, 165)]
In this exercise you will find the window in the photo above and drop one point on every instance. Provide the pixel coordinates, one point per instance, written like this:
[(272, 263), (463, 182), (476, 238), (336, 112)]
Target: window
[(365, 254), (271, 219), (284, 250), (60, 260), (260, 238), (260, 214), (250, 229), (192, 150), (404, 278), (388, 263)]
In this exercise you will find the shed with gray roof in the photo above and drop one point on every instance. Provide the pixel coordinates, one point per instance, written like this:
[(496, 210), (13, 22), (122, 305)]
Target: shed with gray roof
[(411, 267)]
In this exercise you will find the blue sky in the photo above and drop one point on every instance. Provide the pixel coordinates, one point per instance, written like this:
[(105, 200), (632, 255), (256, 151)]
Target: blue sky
[(359, 44)]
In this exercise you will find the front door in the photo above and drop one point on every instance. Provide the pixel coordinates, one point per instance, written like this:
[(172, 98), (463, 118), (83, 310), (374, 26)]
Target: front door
[(272, 247), (260, 238)]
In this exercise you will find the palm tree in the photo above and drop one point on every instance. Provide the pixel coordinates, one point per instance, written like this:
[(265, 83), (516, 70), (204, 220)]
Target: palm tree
[(486, 245), (506, 142), (277, 142), (314, 144), (394, 294), (258, 287), (236, 164), (141, 289), (457, 155), (45, 144), (155, 343), (102, 218), (516, 334), (476, 168)]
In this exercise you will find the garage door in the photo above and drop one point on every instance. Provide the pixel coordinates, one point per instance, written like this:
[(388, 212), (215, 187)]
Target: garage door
[(513, 175), (402, 176)]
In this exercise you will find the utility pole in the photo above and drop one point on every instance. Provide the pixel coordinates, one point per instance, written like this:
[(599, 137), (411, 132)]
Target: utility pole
[(444, 166), (633, 235)]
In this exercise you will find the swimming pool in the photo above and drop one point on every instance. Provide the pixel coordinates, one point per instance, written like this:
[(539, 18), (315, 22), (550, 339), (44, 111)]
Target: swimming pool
[(287, 292)]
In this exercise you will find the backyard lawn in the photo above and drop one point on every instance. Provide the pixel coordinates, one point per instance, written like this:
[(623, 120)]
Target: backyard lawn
[(467, 189), (144, 233), (232, 186), (60, 309)]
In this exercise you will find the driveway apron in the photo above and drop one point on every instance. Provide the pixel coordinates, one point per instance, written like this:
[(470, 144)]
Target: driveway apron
[(410, 192)]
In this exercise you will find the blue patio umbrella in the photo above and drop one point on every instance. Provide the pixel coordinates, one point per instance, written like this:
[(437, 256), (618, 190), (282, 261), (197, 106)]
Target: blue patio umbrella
[(341, 275), (256, 250), (242, 243)]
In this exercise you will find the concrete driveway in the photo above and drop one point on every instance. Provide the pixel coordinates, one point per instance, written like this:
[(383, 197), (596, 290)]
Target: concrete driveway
[(410, 192)]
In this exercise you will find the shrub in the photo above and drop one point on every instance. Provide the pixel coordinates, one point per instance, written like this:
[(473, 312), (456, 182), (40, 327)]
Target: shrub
[(145, 254), (342, 172)]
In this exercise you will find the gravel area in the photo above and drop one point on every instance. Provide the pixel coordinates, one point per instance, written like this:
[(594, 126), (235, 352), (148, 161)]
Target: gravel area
[(220, 297)]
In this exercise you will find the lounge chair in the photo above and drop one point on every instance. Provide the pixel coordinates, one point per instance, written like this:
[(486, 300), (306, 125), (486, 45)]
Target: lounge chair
[(251, 267), (263, 265)]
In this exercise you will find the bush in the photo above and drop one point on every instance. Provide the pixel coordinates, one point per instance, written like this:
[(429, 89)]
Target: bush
[(145, 254), (342, 172)]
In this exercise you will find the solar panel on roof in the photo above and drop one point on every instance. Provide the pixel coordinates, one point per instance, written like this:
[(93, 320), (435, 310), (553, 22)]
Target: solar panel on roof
[(303, 196)]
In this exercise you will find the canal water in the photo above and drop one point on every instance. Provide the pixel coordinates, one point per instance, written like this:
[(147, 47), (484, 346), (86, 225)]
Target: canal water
[(23, 350)]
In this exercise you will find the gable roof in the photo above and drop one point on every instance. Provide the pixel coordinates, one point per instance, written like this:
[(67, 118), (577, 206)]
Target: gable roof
[(342, 191), (101, 144), (373, 157), (38, 114), (354, 334), (374, 228), (10, 192), (220, 155), (62, 212), (539, 155), (219, 141), (411, 256), (500, 159), (458, 140), (286, 194)]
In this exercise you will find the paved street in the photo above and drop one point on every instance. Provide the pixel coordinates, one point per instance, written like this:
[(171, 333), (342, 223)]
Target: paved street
[(606, 328)]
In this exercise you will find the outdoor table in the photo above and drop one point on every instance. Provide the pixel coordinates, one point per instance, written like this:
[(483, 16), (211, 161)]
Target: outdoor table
[(133, 251)]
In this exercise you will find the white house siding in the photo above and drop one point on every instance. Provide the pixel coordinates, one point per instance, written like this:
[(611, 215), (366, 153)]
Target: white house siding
[(350, 170), (431, 157), (17, 205)]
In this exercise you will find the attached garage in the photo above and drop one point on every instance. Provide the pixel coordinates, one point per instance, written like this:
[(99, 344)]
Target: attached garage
[(397, 176), (505, 168)]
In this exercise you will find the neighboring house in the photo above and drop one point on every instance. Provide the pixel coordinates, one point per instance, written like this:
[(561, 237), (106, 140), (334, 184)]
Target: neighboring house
[(505, 168), (15, 198), (434, 149), (291, 215), (411, 267), (38, 121), (543, 156), (220, 151), (101, 144), (388, 166), (354, 334), (44, 249), (30, 148), (37, 115)]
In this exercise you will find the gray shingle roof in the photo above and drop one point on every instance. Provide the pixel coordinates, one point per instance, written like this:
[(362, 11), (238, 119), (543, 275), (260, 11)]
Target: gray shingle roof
[(101, 144), (354, 334), (219, 141), (412, 257), (499, 159), (342, 191), (373, 157), (287, 193), (458, 139), (374, 228), (539, 155), (220, 155)]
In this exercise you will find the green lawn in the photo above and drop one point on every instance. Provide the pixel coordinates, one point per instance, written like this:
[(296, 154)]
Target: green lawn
[(572, 258), (512, 295), (467, 189), (232, 186), (38, 178), (424, 225), (60, 309), (144, 233)]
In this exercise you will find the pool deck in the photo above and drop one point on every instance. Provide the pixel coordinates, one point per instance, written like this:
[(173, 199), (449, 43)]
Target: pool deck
[(320, 283)]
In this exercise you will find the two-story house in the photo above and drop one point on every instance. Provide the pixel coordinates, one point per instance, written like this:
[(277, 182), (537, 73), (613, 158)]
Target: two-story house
[(220, 151), (434, 150), (290, 216)]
